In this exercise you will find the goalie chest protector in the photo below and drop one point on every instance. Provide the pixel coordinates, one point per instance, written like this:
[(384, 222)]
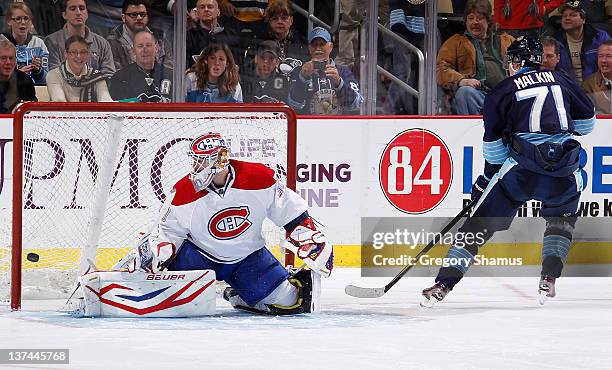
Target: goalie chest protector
[(228, 226)]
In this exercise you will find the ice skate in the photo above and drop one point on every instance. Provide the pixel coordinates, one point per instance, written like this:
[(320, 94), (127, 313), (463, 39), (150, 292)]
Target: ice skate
[(228, 293), (433, 295), (231, 295), (546, 289)]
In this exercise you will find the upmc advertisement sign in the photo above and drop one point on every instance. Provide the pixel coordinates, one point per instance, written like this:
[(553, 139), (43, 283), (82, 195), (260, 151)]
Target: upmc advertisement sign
[(349, 168)]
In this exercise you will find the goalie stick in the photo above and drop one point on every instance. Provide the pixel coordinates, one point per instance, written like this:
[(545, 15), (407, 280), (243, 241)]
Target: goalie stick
[(126, 259), (65, 307), (361, 292)]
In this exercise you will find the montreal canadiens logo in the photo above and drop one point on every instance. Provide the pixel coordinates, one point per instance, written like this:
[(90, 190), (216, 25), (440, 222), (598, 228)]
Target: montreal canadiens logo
[(229, 223), (207, 144)]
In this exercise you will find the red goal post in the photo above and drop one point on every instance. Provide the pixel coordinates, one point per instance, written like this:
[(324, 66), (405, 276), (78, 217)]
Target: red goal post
[(62, 151)]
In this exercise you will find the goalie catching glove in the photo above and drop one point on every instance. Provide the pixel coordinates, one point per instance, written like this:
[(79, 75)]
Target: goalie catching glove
[(312, 247)]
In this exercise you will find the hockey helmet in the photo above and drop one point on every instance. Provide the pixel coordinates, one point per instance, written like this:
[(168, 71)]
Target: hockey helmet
[(209, 155), (525, 51)]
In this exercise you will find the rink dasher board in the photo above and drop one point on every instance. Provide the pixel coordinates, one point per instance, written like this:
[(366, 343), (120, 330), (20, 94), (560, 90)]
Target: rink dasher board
[(342, 183)]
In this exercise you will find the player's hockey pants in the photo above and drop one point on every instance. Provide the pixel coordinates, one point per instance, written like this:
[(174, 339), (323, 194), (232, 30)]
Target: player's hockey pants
[(254, 277)]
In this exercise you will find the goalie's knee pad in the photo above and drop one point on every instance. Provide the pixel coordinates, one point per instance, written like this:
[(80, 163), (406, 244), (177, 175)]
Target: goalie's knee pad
[(305, 283), (308, 284)]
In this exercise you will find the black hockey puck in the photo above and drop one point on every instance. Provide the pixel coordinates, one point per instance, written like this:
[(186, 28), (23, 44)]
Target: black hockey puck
[(33, 257)]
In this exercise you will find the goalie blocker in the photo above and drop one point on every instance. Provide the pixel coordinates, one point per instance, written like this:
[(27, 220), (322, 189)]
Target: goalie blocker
[(143, 294)]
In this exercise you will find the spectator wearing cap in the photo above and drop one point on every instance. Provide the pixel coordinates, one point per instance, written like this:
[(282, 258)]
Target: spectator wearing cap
[(579, 41), (292, 45), (145, 80), (598, 85), (264, 84), (100, 55), (15, 86), (321, 86), (470, 64), (135, 17)]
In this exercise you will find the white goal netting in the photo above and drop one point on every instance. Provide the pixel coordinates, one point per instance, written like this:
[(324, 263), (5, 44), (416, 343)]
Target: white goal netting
[(93, 180)]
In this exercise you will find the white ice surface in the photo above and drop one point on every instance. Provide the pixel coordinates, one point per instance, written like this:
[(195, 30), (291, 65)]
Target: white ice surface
[(485, 323)]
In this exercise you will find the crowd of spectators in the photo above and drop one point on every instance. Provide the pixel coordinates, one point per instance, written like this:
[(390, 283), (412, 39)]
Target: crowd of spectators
[(259, 51), (468, 65)]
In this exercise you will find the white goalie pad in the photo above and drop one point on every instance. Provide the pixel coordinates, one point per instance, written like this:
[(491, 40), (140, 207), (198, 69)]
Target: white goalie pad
[(142, 294)]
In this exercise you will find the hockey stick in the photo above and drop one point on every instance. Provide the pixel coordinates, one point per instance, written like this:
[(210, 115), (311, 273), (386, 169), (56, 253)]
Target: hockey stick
[(92, 265), (128, 258), (360, 292)]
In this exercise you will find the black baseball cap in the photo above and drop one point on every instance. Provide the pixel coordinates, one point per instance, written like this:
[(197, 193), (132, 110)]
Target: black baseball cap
[(268, 46), (575, 5)]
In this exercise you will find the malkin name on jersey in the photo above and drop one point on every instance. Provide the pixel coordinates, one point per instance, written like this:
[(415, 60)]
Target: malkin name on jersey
[(528, 79)]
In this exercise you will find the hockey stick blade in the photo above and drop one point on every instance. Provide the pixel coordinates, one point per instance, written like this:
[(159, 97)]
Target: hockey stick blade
[(359, 292)]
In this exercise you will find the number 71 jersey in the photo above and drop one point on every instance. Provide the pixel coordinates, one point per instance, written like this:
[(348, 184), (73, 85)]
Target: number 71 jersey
[(536, 101)]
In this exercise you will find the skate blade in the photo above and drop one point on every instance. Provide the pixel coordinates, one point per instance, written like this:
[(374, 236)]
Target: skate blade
[(543, 297), (428, 302)]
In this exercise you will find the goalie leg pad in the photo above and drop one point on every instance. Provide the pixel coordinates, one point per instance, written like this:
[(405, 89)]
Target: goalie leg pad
[(141, 294)]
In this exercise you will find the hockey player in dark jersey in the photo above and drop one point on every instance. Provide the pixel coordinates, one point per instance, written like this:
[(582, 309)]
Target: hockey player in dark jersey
[(264, 84), (530, 121)]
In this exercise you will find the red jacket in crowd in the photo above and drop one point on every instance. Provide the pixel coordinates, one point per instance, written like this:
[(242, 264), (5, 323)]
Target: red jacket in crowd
[(522, 14)]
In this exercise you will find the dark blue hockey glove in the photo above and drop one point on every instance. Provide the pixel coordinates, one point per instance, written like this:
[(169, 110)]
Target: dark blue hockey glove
[(479, 187)]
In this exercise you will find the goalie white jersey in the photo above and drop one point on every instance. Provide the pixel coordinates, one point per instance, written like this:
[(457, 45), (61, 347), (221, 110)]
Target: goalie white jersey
[(227, 226)]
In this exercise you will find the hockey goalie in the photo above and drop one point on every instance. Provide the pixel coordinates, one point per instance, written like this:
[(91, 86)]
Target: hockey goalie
[(214, 223)]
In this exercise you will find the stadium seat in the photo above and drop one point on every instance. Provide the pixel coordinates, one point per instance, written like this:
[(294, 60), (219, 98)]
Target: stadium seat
[(42, 93)]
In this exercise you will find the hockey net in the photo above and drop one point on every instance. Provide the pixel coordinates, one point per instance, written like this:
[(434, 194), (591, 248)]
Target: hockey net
[(90, 177)]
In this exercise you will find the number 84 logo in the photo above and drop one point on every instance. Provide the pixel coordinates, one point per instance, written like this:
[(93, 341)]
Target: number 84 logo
[(416, 171)]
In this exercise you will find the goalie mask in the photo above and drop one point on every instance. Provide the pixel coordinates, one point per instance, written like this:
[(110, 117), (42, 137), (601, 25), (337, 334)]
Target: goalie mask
[(209, 156)]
